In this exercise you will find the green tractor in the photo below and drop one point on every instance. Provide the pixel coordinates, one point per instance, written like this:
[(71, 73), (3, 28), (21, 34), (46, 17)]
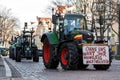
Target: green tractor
[(73, 45), (26, 47), (11, 51), (12, 47)]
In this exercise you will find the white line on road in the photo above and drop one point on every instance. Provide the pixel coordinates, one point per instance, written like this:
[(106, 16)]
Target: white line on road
[(8, 70)]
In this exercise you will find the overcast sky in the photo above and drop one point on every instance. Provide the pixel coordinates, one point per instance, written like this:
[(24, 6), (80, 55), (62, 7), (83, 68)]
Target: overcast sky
[(26, 10)]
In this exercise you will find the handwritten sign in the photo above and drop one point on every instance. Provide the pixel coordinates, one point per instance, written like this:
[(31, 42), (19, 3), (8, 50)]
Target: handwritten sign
[(95, 55)]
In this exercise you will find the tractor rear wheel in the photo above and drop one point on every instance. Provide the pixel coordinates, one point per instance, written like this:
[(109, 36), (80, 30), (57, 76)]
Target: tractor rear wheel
[(49, 60), (69, 56), (105, 67), (101, 67), (10, 53), (18, 55), (35, 55), (13, 56)]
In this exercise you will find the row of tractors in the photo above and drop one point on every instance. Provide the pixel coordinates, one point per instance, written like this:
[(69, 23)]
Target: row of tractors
[(71, 43), (24, 46)]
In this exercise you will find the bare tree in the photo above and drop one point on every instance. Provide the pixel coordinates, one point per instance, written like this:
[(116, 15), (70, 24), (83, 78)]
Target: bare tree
[(7, 23), (81, 6), (55, 3)]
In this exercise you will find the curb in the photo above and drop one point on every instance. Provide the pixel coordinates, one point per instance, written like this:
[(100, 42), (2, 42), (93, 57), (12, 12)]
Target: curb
[(8, 70)]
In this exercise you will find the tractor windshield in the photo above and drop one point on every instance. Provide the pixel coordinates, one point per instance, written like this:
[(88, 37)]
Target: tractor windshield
[(28, 39), (73, 23)]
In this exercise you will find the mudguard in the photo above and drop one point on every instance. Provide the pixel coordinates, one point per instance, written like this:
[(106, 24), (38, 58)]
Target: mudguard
[(52, 37)]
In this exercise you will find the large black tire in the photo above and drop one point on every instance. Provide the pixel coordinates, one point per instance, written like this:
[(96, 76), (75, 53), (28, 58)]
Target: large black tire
[(49, 60), (35, 55), (10, 53), (29, 58), (105, 67), (69, 57), (101, 67), (18, 55), (81, 66), (13, 56)]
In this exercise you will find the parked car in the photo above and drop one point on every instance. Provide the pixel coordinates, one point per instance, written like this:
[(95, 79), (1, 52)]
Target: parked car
[(3, 51)]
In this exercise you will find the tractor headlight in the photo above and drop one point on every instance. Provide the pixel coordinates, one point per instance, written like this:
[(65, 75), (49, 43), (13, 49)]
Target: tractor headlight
[(28, 49)]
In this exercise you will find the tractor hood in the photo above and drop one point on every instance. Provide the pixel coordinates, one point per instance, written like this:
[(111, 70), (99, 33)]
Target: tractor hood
[(87, 36)]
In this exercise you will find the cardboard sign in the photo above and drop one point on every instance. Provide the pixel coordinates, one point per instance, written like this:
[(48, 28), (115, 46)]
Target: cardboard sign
[(95, 54)]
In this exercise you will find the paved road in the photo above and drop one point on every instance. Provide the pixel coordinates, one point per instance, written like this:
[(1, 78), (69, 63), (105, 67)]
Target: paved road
[(29, 70)]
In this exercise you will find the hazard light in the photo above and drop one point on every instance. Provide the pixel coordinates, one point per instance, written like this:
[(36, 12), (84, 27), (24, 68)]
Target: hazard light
[(78, 37)]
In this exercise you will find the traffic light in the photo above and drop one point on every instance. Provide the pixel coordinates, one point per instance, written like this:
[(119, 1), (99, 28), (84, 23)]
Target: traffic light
[(25, 24)]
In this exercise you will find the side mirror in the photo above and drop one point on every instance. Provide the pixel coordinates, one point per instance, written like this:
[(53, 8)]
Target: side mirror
[(57, 19)]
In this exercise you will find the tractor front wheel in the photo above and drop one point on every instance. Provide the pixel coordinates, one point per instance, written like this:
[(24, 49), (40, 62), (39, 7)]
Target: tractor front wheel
[(69, 56)]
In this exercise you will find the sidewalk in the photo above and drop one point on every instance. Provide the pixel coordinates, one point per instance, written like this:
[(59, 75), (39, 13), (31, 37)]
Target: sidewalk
[(2, 68), (3, 75)]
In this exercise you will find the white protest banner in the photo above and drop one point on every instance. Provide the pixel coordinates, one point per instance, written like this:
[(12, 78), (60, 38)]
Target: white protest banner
[(95, 54)]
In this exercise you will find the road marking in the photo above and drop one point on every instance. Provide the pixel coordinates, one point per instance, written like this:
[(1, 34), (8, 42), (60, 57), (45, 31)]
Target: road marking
[(8, 70)]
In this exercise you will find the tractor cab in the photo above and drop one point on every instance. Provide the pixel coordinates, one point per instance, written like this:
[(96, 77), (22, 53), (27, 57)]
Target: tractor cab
[(73, 22), (71, 25), (27, 39)]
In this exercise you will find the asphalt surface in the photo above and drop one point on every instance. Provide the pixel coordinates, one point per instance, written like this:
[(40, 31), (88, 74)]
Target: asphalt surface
[(4, 73), (29, 70)]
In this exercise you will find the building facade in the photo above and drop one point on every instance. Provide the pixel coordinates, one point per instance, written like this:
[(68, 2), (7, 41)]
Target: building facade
[(44, 25)]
